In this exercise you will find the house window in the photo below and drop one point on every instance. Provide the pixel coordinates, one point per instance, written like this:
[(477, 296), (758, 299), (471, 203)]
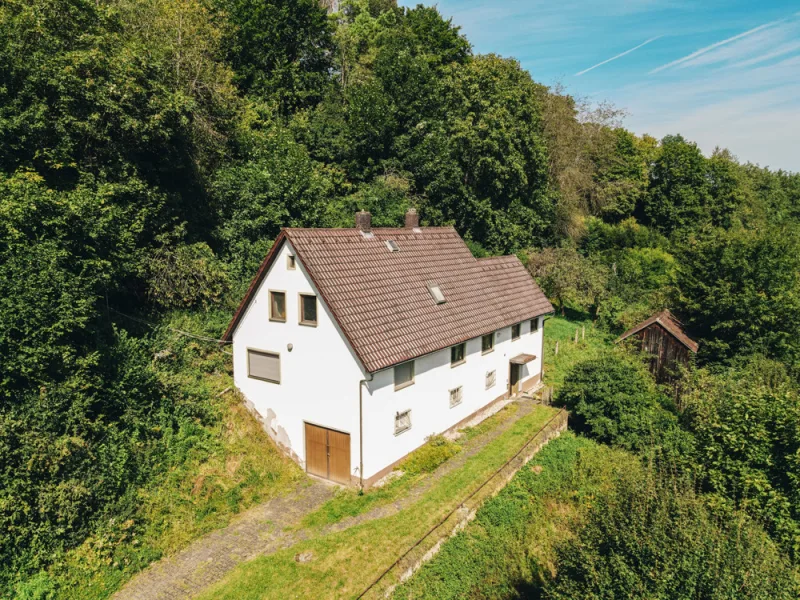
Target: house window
[(265, 366), (515, 330), (458, 354), (291, 262), (402, 422), (491, 379), (487, 343), (277, 306), (534, 325), (456, 396), (308, 310), (436, 293), (404, 375)]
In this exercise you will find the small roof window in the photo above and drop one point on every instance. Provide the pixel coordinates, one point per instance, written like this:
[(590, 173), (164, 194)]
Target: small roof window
[(392, 246), (436, 293)]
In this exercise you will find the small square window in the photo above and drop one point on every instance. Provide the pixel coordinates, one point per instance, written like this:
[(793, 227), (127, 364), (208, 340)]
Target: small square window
[(487, 343), (515, 331), (404, 375), (458, 354), (491, 379), (534, 325), (308, 310), (291, 262), (277, 306), (456, 395), (402, 422)]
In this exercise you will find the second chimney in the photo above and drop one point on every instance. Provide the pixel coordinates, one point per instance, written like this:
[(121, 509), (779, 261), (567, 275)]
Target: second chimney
[(363, 220), (412, 218)]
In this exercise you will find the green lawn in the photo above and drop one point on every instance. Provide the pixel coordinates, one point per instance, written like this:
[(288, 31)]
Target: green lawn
[(345, 563), (561, 331)]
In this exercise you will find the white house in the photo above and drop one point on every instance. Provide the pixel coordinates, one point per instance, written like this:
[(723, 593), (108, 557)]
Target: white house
[(355, 345)]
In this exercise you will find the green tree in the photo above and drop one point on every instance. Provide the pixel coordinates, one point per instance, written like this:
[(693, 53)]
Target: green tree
[(569, 278), (280, 50), (740, 290)]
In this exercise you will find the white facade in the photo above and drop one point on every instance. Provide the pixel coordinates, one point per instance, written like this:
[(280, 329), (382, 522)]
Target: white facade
[(320, 377)]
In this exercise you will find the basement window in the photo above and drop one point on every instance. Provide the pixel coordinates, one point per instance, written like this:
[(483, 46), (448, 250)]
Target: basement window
[(456, 395), (491, 379), (402, 422), (392, 246), (436, 293)]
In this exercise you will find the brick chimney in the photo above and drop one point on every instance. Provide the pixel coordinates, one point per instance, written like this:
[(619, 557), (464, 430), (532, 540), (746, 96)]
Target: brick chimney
[(412, 218), (363, 220)]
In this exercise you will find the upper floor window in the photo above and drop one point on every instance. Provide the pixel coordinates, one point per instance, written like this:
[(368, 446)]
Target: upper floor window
[(458, 354), (404, 375), (277, 306), (308, 309), (515, 331), (291, 262), (487, 343), (534, 325)]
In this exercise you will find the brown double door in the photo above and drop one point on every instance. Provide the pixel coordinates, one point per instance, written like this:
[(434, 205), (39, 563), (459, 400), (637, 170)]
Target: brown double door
[(328, 453)]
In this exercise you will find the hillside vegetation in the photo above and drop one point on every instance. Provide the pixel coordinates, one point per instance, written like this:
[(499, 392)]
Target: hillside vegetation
[(152, 150)]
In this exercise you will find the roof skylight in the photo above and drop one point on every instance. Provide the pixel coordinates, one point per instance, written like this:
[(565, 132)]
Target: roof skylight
[(436, 293), (392, 246)]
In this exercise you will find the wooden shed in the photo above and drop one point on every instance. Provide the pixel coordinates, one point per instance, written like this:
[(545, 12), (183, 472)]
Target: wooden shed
[(664, 338)]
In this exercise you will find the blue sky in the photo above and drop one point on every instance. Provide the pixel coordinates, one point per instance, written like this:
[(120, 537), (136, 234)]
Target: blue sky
[(723, 73)]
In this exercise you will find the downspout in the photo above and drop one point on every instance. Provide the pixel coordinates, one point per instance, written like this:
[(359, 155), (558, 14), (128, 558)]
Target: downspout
[(361, 431), (541, 361)]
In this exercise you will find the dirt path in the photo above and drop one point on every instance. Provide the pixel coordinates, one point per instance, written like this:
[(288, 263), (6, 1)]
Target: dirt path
[(269, 527)]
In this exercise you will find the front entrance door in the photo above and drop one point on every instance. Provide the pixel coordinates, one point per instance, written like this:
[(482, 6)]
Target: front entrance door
[(513, 379), (328, 453)]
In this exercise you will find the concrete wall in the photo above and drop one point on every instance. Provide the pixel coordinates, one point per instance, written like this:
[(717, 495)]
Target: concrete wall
[(429, 399), (319, 377)]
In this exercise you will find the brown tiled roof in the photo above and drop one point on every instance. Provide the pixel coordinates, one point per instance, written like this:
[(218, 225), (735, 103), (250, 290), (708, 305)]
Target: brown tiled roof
[(381, 299), (668, 321)]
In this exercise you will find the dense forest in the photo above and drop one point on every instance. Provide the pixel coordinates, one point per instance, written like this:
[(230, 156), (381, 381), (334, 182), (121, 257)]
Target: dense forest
[(152, 150)]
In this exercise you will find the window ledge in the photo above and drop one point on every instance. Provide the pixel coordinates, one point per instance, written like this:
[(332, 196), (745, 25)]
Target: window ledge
[(484, 352), (402, 431), (456, 364), (308, 323), (403, 386), (277, 320)]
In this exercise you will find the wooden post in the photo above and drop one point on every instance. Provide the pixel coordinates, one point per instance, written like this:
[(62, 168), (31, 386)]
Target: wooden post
[(583, 333), (576, 335), (556, 347)]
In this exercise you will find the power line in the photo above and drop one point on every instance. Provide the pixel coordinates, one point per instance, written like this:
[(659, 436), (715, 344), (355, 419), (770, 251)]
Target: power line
[(180, 331)]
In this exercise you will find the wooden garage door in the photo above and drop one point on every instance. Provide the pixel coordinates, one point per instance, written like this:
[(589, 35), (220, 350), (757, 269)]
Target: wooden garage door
[(328, 453)]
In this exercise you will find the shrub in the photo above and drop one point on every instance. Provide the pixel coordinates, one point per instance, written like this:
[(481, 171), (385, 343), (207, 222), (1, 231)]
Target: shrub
[(614, 400), (654, 538)]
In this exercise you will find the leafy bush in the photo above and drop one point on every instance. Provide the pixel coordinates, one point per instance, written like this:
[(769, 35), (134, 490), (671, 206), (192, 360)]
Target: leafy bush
[(430, 455), (614, 400), (654, 538), (746, 422)]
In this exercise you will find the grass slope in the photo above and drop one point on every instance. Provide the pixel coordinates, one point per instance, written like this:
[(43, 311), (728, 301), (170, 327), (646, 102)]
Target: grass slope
[(561, 331), (507, 550), (344, 563)]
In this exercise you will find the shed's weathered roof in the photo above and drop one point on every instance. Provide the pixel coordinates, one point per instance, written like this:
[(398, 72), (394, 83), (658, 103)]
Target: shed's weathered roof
[(381, 299), (668, 321)]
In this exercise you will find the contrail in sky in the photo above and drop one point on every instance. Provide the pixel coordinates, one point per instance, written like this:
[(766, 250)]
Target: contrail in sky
[(600, 64), (713, 46)]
